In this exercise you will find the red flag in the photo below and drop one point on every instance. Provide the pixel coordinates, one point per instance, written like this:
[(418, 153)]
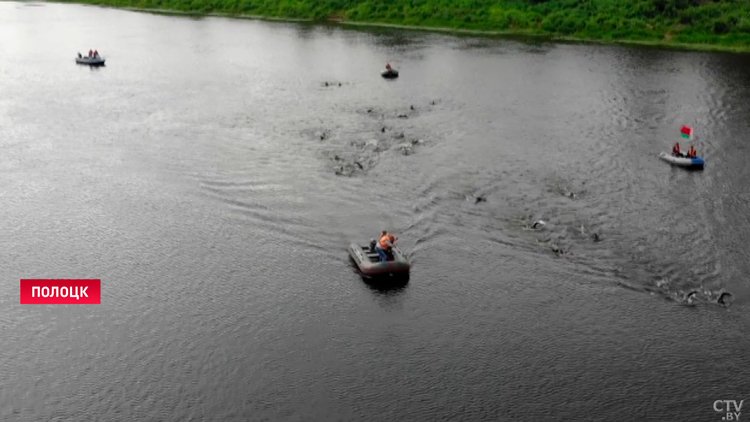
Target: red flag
[(686, 131)]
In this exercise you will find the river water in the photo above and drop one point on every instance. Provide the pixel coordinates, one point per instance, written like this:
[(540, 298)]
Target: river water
[(212, 180)]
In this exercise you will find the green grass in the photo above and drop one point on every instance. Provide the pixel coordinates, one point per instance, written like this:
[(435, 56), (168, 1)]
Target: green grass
[(695, 24)]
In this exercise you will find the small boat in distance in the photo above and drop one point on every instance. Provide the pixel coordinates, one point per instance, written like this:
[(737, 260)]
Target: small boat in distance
[(389, 72), (91, 60), (696, 163), (678, 158), (369, 264)]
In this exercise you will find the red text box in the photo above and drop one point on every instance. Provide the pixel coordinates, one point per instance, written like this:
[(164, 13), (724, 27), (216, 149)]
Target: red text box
[(61, 292)]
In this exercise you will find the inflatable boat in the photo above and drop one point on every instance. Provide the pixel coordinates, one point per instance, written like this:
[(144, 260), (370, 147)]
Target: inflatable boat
[(369, 264), (93, 61), (683, 161), (389, 73)]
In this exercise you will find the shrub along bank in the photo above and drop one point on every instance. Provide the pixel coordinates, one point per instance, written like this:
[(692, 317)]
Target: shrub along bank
[(697, 23)]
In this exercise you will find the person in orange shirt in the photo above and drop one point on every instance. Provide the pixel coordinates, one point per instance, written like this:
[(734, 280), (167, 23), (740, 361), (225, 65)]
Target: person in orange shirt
[(692, 153), (383, 247), (676, 150)]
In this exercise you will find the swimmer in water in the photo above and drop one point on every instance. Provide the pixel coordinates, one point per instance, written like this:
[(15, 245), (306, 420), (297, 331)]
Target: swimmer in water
[(538, 224)]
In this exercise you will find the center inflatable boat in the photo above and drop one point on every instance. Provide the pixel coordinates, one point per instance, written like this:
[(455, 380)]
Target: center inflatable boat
[(91, 61), (369, 264), (389, 73), (683, 161)]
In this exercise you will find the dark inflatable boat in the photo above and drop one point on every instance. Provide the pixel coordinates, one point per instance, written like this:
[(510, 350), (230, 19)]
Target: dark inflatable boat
[(91, 61), (369, 264), (389, 73)]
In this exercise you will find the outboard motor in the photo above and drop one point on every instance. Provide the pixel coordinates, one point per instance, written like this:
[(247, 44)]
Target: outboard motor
[(373, 242)]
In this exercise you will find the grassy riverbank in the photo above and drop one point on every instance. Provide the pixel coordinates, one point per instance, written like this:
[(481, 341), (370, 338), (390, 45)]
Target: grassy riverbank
[(698, 24)]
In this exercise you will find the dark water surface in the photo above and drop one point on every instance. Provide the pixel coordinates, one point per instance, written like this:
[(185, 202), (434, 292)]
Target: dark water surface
[(189, 174)]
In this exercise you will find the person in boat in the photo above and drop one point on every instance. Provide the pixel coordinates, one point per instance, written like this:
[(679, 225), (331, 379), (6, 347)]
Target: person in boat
[(383, 247), (79, 55), (388, 66), (91, 53), (676, 150), (692, 153), (96, 53)]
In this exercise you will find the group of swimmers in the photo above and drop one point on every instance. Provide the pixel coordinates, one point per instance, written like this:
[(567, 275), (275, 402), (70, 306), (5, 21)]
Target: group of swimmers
[(692, 153)]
